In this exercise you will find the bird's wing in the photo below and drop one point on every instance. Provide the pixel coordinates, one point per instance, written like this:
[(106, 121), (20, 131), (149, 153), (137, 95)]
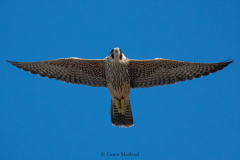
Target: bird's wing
[(71, 70), (149, 73)]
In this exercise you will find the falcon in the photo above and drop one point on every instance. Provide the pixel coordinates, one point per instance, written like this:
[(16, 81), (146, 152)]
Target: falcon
[(119, 74)]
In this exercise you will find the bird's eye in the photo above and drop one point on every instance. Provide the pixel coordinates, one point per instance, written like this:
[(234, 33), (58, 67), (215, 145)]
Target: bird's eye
[(111, 53), (120, 55)]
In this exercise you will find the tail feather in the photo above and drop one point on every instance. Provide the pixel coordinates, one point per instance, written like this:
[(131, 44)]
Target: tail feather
[(119, 119)]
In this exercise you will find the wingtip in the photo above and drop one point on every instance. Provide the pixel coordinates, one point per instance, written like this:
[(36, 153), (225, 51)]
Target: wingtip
[(229, 60), (11, 62)]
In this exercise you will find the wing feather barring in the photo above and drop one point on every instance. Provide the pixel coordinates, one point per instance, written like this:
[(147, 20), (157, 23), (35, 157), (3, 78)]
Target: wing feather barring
[(119, 74)]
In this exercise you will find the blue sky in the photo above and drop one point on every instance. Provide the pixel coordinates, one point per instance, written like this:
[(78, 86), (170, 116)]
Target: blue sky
[(48, 119)]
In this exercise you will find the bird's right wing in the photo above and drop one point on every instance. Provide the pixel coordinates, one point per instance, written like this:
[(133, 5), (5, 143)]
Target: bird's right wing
[(89, 72), (155, 72)]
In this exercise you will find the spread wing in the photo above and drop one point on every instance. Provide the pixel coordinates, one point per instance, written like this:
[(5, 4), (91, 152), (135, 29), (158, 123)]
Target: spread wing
[(71, 70), (149, 73)]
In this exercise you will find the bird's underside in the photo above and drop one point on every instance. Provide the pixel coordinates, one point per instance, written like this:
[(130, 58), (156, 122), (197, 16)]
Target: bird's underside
[(121, 74)]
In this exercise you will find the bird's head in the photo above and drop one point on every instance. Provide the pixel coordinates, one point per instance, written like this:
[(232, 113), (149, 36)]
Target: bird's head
[(116, 54)]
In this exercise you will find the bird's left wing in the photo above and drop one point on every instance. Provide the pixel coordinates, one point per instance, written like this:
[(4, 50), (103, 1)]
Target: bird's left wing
[(149, 73), (89, 72)]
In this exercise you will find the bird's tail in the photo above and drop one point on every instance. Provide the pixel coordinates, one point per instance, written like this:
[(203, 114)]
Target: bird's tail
[(121, 119)]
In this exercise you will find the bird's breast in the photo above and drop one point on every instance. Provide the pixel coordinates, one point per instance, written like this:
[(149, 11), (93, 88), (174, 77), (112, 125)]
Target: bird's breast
[(118, 79)]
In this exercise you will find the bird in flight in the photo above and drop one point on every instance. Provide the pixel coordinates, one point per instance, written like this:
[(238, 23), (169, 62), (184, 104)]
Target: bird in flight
[(119, 74)]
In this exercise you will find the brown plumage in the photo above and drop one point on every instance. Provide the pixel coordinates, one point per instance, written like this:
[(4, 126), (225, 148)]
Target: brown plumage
[(119, 74), (149, 73), (69, 70)]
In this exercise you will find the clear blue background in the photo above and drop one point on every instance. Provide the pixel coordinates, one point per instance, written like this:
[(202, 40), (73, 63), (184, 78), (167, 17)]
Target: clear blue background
[(47, 119)]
